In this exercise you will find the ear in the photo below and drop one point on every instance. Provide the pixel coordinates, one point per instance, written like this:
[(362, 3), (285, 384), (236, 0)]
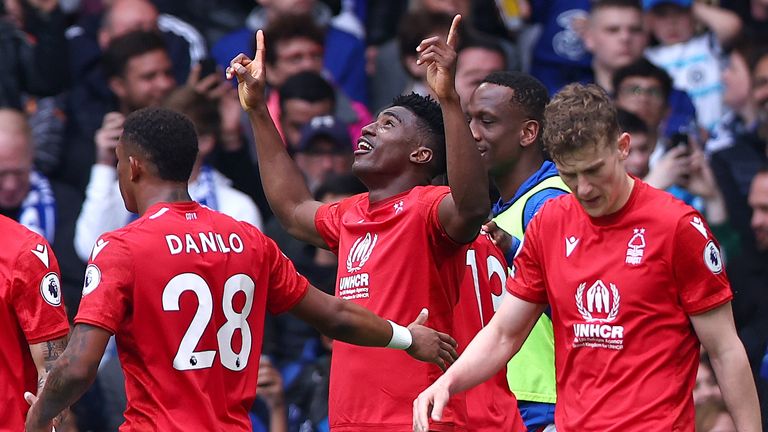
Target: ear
[(421, 155), (136, 166), (205, 145), (117, 86), (529, 133), (586, 36), (623, 146)]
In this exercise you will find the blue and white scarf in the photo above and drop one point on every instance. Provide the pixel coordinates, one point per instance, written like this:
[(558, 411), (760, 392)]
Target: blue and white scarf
[(38, 211)]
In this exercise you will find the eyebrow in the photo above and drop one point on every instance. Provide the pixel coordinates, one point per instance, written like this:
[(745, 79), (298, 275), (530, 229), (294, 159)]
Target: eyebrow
[(392, 114)]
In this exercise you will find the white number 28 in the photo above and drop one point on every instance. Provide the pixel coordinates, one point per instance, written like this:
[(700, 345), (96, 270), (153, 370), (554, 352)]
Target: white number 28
[(186, 356)]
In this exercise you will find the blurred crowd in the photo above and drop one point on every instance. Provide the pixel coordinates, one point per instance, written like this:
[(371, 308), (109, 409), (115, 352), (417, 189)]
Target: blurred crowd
[(690, 79)]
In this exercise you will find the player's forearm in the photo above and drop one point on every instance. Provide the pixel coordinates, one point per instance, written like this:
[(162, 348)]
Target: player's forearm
[(44, 355), (356, 325), (733, 374), (466, 173), (488, 352), (63, 387), (723, 23), (283, 183)]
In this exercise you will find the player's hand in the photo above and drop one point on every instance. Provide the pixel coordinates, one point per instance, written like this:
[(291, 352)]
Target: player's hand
[(499, 237), (32, 425), (270, 384), (430, 345), (251, 75), (430, 403), (440, 58), (107, 136)]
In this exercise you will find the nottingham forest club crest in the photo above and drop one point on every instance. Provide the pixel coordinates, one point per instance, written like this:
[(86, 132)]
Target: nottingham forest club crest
[(636, 247), (599, 306)]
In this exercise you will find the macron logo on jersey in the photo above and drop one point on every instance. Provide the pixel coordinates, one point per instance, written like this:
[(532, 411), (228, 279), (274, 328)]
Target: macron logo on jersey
[(98, 247), (41, 252), (699, 225), (570, 245)]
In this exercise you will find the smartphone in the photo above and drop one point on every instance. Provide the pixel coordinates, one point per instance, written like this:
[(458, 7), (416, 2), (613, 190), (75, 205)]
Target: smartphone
[(207, 67), (679, 139)]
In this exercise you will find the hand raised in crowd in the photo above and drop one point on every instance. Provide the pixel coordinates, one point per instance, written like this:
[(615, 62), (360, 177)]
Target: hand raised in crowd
[(440, 58), (251, 75), (213, 86), (107, 136), (671, 169), (270, 384), (431, 345), (700, 180)]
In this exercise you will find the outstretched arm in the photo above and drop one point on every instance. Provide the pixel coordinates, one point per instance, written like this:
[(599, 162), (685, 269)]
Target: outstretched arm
[(354, 324), (488, 352), (724, 23), (283, 183), (70, 377), (717, 333), (468, 205)]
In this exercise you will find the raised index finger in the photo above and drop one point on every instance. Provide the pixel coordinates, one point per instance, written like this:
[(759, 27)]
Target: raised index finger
[(453, 32), (259, 56)]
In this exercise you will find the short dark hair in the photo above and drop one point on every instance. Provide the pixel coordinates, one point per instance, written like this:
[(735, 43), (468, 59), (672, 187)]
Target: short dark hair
[(600, 4), (644, 68), (201, 111), (418, 25), (166, 138), (122, 49), (340, 184), (528, 93), (307, 86), (288, 27), (631, 123), (427, 110), (476, 39)]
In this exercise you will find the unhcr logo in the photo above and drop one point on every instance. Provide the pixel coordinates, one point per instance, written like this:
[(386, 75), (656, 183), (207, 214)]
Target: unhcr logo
[(360, 252)]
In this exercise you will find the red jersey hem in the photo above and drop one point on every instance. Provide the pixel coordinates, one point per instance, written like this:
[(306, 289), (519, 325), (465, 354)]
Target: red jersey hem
[(90, 321), (60, 330), (710, 303), (525, 297)]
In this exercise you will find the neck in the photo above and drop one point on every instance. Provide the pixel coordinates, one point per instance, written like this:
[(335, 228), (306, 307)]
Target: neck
[(603, 77), (169, 192), (626, 190), (748, 113), (509, 182)]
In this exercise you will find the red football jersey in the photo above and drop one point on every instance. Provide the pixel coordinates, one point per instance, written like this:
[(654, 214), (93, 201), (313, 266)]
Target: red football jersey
[(31, 312), (621, 288), (185, 289), (394, 259), (491, 406)]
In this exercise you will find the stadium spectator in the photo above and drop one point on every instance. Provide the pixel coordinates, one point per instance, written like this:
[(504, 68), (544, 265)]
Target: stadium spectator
[(380, 237), (478, 56), (220, 261), (612, 211), (342, 51), (692, 61)]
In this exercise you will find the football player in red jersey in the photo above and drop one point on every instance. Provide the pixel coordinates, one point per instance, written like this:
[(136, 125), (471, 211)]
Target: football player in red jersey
[(33, 321), (184, 289), (635, 281), (402, 245)]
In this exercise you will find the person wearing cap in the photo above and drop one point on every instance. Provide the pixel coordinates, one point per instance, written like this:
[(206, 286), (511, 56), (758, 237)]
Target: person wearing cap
[(692, 61), (323, 149)]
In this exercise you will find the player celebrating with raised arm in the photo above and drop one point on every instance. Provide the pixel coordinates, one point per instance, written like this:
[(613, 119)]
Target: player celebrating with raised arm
[(185, 290), (635, 281), (401, 246)]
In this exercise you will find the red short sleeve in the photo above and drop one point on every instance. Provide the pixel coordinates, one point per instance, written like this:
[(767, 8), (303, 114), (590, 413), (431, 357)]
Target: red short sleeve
[(328, 224), (286, 286), (527, 277), (698, 266), (431, 201), (108, 284), (36, 293)]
